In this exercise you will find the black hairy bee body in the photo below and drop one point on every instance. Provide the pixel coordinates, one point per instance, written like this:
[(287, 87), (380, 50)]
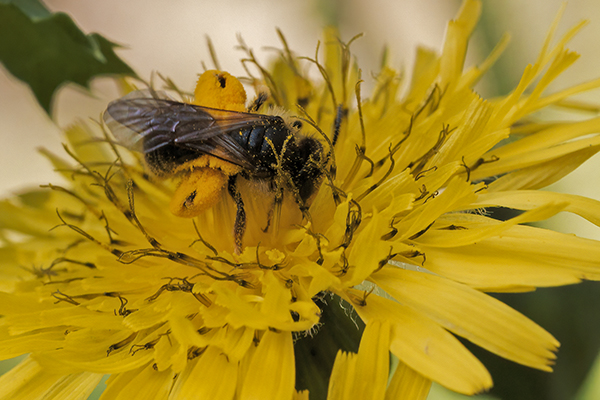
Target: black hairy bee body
[(181, 138)]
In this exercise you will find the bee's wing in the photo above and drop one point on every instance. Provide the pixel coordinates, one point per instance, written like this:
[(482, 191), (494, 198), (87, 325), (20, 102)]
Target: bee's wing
[(147, 120)]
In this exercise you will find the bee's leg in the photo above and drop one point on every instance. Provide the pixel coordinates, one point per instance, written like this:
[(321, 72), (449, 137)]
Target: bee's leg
[(239, 227), (275, 211), (269, 218)]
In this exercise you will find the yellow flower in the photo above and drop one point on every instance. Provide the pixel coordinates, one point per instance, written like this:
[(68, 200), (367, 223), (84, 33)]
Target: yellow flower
[(99, 277)]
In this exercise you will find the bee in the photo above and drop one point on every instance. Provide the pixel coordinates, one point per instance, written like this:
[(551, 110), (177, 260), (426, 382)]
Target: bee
[(209, 148)]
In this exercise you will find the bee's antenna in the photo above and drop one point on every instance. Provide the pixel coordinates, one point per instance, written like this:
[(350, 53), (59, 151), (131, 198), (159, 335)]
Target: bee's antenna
[(312, 123)]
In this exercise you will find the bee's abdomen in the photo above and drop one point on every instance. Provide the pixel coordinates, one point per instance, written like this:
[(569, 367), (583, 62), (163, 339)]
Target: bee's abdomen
[(164, 161)]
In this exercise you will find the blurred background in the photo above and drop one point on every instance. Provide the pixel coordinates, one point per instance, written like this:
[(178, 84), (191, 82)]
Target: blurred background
[(169, 37)]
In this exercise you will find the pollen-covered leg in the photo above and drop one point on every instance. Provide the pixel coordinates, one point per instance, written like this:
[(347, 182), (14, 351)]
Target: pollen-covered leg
[(197, 192), (239, 226), (274, 215)]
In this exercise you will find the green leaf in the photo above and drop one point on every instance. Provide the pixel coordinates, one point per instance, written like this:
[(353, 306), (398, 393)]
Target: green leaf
[(47, 50), (32, 8)]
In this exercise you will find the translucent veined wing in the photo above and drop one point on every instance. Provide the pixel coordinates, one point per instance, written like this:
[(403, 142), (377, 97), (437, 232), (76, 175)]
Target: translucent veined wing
[(147, 120)]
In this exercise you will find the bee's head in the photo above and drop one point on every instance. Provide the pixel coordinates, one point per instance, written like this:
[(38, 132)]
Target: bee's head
[(307, 168)]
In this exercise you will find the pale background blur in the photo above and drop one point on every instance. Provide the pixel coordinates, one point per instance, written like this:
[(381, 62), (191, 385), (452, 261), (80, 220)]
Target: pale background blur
[(169, 37)]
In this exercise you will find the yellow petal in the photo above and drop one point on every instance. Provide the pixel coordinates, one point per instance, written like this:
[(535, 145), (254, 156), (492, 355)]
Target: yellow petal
[(186, 333), (543, 174), (277, 298), (373, 362), (271, 374), (119, 360), (425, 70), (25, 220), (365, 262), (12, 346), (320, 279), (457, 193), (302, 395), (465, 236), (455, 44), (406, 383), (556, 98), (472, 76), (340, 380), (471, 314), (169, 355), (29, 380), (471, 139), (75, 387), (138, 384), (530, 199), (365, 375), (523, 257), (212, 376), (69, 315), (547, 144), (548, 137), (234, 342), (425, 346), (82, 139)]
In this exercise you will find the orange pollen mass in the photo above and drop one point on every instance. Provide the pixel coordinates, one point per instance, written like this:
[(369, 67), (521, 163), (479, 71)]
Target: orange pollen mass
[(218, 89)]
